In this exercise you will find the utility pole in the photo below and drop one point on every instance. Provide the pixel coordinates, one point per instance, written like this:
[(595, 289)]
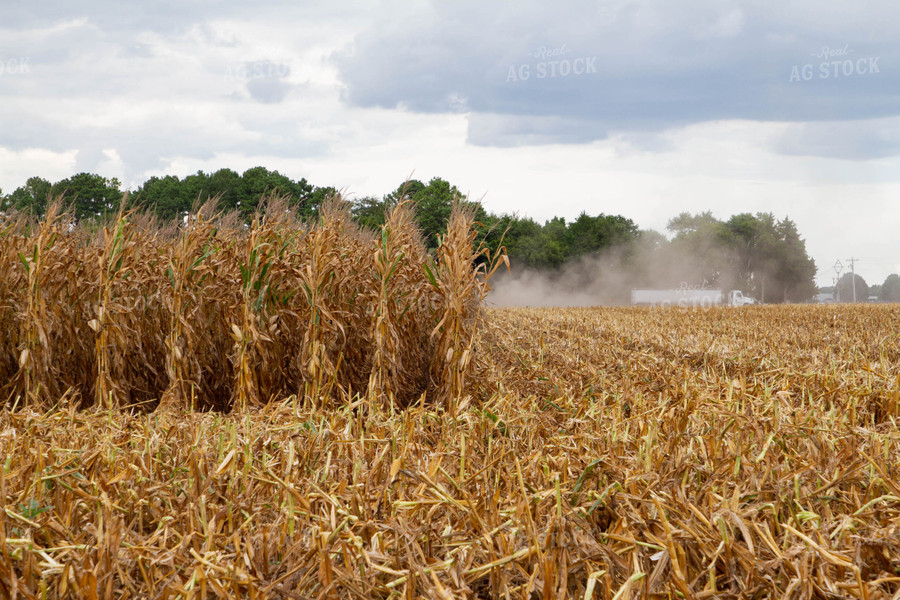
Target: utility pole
[(838, 267), (852, 262)]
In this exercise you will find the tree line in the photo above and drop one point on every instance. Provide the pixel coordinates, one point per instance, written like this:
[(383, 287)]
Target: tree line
[(888, 291), (758, 254)]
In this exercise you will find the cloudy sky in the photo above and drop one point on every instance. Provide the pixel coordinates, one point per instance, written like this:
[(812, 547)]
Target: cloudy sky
[(644, 108)]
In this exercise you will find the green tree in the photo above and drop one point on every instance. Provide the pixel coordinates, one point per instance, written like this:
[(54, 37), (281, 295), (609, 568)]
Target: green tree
[(259, 182), (31, 197), (91, 195), (795, 272), (846, 283), (755, 248), (369, 212), (542, 251), (755, 253), (228, 187), (703, 251), (555, 239), (310, 205), (493, 231), (170, 197), (194, 189), (890, 289), (433, 203), (518, 241), (589, 235), (686, 223), (165, 196)]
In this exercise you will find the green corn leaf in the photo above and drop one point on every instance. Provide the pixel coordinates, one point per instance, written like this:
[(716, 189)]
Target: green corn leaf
[(585, 474), (394, 266), (430, 275), (25, 263), (245, 276)]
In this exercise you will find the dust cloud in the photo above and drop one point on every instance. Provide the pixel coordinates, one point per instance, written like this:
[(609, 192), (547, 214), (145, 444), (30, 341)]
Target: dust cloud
[(606, 279)]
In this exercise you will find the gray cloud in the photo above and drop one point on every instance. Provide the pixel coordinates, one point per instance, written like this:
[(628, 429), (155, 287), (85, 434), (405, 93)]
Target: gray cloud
[(519, 130), (582, 70), (161, 15), (851, 140)]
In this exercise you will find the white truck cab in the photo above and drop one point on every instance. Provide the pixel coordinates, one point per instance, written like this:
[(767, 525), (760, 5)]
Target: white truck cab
[(736, 298)]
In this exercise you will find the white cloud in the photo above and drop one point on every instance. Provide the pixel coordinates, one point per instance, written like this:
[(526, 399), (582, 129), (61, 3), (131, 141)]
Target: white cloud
[(17, 166), (111, 164)]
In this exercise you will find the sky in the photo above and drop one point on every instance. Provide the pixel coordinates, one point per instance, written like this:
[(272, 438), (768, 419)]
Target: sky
[(643, 108)]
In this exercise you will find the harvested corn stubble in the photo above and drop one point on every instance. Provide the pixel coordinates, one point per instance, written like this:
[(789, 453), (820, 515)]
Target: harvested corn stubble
[(588, 453)]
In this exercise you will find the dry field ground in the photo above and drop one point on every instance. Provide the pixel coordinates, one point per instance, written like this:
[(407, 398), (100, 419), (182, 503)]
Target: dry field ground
[(593, 453)]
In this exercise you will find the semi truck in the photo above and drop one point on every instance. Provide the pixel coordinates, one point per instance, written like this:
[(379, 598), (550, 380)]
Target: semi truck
[(690, 297)]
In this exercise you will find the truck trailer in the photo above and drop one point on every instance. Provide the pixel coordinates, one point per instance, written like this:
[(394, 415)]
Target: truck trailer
[(689, 297)]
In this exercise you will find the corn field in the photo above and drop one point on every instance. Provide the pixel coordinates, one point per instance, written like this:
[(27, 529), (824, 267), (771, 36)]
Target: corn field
[(218, 315), (300, 410)]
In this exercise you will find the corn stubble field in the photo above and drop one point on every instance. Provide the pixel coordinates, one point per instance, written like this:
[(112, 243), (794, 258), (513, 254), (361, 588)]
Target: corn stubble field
[(312, 411)]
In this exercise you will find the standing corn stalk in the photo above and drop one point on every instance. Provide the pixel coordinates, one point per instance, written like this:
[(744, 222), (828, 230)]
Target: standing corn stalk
[(247, 315), (397, 347), (253, 274), (35, 363), (461, 285), (13, 277), (118, 253), (185, 275), (268, 244), (321, 279)]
